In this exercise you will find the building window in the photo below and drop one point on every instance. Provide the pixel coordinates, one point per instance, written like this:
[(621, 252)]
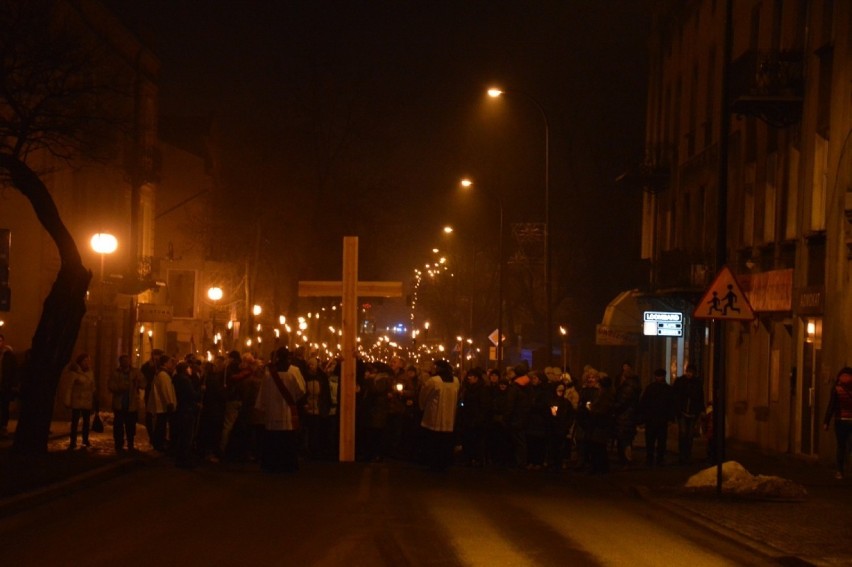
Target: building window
[(710, 93), (826, 63), (748, 205), (770, 197), (816, 260), (181, 285), (790, 197), (817, 204)]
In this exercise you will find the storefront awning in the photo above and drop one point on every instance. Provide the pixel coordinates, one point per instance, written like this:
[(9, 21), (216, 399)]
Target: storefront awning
[(624, 316), (622, 321)]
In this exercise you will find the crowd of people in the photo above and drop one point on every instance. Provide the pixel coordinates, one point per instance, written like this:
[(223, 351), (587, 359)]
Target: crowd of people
[(241, 408), (274, 412)]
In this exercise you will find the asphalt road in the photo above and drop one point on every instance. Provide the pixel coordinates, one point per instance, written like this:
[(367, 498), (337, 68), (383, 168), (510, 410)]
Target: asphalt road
[(354, 514)]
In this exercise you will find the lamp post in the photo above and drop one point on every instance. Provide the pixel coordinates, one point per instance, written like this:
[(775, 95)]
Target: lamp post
[(467, 183), (102, 243), (256, 311), (494, 93), (141, 344), (563, 331), (215, 294)]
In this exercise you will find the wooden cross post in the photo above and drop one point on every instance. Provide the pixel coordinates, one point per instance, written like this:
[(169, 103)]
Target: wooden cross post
[(350, 289)]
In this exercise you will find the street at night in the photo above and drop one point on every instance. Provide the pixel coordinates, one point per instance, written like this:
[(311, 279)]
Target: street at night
[(433, 282), (355, 514)]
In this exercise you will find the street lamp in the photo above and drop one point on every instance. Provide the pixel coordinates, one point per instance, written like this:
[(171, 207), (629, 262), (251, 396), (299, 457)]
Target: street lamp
[(467, 183), (215, 295), (564, 333), (103, 243), (494, 93)]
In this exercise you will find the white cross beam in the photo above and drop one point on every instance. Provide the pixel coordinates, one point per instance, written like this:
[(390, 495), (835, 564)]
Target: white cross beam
[(349, 289)]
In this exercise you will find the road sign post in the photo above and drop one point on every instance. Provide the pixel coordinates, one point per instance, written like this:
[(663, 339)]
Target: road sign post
[(723, 301)]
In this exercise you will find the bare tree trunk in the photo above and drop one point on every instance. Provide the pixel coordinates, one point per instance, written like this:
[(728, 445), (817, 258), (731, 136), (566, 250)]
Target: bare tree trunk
[(64, 308)]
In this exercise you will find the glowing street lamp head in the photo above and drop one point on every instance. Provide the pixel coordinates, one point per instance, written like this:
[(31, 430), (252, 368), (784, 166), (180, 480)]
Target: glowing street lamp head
[(466, 182), (104, 243), (215, 293), (562, 330), (494, 92), (257, 310), (448, 229)]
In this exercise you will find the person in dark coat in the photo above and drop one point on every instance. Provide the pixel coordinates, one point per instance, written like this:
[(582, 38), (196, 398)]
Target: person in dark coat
[(499, 441), (377, 404), (589, 392), (536, 428), (9, 383), (656, 411), (601, 424), (840, 410), (624, 410), (212, 408), (316, 410), (560, 420), (518, 412), (411, 415), (474, 410), (689, 402), (188, 399)]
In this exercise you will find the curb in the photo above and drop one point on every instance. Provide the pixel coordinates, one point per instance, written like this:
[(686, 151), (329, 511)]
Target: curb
[(14, 504), (703, 522)]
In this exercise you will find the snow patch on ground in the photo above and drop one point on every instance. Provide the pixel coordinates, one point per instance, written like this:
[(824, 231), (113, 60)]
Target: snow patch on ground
[(737, 481)]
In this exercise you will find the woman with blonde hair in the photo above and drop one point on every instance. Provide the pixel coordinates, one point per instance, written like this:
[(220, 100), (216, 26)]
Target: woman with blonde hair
[(80, 396)]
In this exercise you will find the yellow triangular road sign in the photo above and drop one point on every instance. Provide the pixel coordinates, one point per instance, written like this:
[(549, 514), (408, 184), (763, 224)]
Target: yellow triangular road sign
[(724, 300)]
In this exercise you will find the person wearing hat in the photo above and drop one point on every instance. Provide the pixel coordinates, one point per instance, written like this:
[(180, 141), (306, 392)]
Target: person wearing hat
[(519, 406), (438, 401)]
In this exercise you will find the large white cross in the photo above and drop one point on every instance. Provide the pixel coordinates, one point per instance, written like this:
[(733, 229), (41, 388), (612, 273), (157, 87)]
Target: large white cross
[(350, 289)]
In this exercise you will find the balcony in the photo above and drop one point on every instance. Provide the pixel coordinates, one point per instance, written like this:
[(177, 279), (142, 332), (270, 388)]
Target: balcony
[(677, 269), (769, 85), (140, 280), (645, 176), (652, 174)]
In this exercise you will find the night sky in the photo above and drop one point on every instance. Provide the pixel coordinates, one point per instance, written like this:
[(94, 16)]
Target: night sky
[(360, 118)]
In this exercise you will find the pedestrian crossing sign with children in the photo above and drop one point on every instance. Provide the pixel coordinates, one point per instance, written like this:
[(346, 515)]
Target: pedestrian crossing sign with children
[(724, 300)]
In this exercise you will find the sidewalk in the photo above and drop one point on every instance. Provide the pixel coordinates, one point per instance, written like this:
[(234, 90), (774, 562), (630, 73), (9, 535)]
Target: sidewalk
[(815, 530), (32, 478)]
